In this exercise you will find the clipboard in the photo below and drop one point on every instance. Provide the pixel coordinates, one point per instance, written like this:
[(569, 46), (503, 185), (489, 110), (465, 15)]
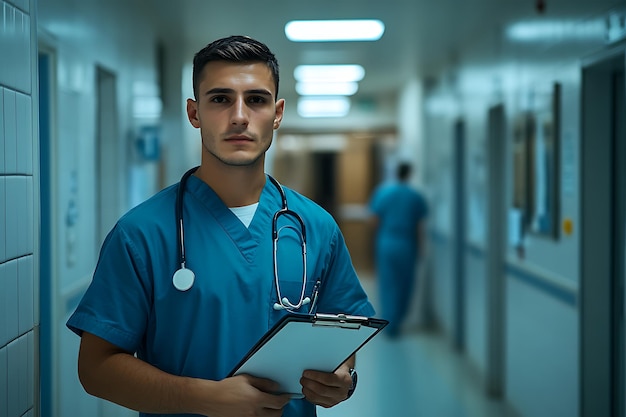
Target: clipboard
[(321, 342)]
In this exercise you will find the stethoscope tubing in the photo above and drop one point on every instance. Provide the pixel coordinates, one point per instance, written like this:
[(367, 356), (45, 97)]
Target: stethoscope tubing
[(185, 283), (179, 216)]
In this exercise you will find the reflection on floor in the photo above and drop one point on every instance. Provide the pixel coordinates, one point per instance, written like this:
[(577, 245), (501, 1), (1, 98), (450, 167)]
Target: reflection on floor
[(416, 375)]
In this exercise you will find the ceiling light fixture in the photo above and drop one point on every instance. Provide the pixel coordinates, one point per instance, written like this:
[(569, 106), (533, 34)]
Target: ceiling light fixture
[(329, 73), (327, 89), (334, 30), (556, 30), (323, 107)]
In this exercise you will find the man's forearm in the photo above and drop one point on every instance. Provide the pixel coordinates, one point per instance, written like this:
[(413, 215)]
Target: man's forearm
[(125, 380), (115, 375)]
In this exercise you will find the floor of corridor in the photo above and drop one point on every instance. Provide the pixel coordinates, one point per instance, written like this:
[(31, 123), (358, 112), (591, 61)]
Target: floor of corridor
[(416, 375)]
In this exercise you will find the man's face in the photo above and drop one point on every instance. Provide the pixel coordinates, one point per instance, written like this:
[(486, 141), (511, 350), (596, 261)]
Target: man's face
[(236, 111)]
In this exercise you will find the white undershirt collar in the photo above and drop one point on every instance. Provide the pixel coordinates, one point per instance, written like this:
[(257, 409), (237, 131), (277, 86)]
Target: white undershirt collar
[(245, 213)]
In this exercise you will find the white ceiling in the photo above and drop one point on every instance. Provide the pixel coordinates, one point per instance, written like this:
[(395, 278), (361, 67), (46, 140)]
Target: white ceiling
[(419, 35)]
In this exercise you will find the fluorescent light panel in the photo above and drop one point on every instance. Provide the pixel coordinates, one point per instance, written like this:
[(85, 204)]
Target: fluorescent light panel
[(323, 107), (334, 30), (329, 73), (327, 89), (546, 30)]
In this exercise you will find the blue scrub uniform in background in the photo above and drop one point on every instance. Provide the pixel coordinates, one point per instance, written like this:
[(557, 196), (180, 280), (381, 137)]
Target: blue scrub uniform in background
[(205, 331), (399, 209)]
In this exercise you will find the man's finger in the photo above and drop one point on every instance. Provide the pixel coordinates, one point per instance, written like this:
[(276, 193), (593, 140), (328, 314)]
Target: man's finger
[(275, 402), (324, 378), (263, 384), (268, 388)]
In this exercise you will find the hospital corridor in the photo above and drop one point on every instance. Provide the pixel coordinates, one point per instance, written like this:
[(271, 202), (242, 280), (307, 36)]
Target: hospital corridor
[(416, 374), (503, 242)]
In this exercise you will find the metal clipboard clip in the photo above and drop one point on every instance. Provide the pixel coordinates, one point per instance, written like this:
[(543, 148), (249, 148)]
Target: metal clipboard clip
[(339, 320)]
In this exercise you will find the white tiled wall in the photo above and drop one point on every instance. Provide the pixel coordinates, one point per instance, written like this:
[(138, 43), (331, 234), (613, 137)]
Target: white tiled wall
[(18, 386), (15, 44)]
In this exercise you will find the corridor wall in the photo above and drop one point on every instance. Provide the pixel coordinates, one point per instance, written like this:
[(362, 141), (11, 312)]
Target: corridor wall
[(19, 318), (84, 42), (540, 338)]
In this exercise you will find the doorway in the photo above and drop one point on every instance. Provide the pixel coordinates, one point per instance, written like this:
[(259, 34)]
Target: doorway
[(603, 217), (324, 187), (107, 158)]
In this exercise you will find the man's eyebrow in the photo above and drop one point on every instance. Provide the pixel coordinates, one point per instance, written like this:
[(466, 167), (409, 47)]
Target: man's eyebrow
[(219, 90), (261, 91)]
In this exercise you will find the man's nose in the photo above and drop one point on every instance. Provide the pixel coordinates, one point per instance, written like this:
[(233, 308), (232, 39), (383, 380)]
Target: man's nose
[(239, 115)]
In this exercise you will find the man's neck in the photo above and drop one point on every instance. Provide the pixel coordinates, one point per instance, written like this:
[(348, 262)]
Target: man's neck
[(236, 186)]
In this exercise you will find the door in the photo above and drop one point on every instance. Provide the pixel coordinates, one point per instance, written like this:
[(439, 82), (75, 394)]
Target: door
[(603, 211), (459, 231), (496, 244), (619, 143)]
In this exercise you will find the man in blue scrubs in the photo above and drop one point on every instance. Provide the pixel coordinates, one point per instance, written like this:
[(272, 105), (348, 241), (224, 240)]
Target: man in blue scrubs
[(163, 349), (398, 214)]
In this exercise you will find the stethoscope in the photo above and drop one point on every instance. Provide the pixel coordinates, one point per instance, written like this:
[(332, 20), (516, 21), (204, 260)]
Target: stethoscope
[(184, 277)]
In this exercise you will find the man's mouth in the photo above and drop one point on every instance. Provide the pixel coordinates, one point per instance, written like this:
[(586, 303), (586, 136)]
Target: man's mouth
[(238, 138)]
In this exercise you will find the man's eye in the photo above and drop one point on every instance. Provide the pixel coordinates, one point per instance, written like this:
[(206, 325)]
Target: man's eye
[(257, 99), (219, 99)]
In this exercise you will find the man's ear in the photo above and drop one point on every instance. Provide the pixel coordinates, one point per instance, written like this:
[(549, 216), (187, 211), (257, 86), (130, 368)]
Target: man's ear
[(192, 113), (280, 111)]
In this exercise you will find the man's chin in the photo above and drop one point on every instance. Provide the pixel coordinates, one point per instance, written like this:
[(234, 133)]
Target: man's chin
[(241, 160)]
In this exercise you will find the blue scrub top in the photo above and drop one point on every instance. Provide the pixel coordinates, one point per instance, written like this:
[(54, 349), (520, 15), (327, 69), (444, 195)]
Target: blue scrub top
[(399, 209), (205, 331)]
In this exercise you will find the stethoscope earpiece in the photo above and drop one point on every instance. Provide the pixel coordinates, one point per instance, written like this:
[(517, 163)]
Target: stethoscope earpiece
[(286, 304)]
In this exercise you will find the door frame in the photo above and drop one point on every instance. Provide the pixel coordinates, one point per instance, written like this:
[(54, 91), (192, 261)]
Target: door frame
[(48, 252)]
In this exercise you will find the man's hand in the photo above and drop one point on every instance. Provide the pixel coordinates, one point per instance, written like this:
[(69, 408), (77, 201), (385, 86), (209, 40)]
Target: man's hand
[(326, 389), (245, 395)]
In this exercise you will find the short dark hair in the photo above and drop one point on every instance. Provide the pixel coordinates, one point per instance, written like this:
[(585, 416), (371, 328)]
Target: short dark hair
[(234, 49), (404, 170)]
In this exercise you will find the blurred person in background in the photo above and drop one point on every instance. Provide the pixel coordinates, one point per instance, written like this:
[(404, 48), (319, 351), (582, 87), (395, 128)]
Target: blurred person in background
[(398, 215)]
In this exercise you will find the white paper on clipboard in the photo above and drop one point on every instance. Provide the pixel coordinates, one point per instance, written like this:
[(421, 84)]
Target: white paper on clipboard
[(297, 343)]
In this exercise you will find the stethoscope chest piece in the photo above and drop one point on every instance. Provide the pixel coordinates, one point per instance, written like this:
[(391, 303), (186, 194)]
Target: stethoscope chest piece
[(183, 279)]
